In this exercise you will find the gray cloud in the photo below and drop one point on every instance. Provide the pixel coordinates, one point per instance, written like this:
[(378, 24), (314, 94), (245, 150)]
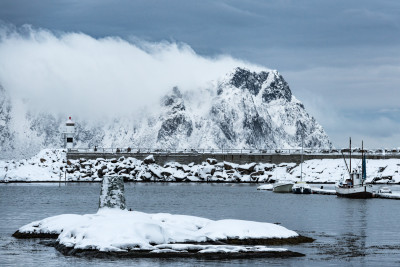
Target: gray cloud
[(73, 73)]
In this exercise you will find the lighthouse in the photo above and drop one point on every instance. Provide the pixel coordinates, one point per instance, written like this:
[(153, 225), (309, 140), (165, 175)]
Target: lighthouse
[(69, 133)]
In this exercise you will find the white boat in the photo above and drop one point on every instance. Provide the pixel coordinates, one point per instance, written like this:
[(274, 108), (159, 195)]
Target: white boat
[(354, 186), (283, 187), (269, 187), (384, 190), (354, 191), (301, 188)]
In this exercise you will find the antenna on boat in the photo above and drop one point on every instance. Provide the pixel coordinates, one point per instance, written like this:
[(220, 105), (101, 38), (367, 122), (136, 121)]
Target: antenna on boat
[(351, 175), (362, 160), (301, 161), (350, 154)]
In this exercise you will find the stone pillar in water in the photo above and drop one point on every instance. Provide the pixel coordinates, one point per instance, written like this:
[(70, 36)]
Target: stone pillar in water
[(112, 194)]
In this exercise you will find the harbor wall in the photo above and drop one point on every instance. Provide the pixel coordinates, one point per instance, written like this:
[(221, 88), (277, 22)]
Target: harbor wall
[(197, 158)]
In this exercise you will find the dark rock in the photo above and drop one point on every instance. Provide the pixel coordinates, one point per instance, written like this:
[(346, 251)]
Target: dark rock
[(20, 235), (117, 169), (227, 166), (149, 160), (166, 173), (278, 89), (212, 171), (248, 168), (247, 80), (193, 253), (269, 241), (269, 169), (123, 171), (91, 253), (211, 161), (256, 174)]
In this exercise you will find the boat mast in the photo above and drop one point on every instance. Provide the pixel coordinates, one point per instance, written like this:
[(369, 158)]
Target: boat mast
[(362, 160), (351, 176), (350, 153), (301, 161)]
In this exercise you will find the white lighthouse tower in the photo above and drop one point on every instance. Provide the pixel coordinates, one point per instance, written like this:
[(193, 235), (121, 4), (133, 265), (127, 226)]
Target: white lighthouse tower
[(69, 134)]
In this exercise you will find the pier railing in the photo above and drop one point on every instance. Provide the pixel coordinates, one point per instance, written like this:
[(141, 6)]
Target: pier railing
[(312, 151)]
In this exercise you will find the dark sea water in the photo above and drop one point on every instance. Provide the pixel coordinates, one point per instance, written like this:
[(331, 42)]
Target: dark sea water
[(348, 232)]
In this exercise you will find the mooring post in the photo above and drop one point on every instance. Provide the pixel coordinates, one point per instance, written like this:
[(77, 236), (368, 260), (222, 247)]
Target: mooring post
[(112, 194)]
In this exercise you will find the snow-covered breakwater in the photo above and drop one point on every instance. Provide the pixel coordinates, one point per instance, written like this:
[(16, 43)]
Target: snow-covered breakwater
[(238, 156), (53, 166)]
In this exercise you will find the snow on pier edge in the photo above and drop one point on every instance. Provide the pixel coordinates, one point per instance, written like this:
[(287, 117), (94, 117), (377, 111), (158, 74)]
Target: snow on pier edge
[(51, 166)]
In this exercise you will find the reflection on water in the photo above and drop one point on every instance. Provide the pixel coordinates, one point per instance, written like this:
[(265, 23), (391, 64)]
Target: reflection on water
[(347, 231)]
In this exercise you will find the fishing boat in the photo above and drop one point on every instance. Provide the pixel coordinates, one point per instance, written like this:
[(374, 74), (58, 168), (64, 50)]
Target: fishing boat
[(354, 186), (301, 187)]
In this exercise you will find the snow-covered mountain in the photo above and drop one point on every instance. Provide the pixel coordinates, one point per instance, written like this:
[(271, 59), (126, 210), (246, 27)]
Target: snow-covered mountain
[(244, 109)]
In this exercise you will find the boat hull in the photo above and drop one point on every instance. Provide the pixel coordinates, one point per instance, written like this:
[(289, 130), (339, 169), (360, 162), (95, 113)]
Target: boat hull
[(301, 190), (283, 188), (354, 192)]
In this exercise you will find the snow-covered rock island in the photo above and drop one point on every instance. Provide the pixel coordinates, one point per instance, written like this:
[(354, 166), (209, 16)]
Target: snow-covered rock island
[(115, 231), (53, 166)]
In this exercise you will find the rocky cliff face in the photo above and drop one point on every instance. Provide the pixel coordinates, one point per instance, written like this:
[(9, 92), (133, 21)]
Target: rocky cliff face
[(244, 109)]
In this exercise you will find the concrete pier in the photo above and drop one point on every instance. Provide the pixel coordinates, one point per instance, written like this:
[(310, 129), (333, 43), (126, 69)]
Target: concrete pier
[(198, 158)]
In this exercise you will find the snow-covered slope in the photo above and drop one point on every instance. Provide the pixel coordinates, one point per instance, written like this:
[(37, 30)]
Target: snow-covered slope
[(244, 109)]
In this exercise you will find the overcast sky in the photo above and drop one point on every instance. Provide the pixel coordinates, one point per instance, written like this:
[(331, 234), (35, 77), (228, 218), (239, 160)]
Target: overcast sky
[(340, 58)]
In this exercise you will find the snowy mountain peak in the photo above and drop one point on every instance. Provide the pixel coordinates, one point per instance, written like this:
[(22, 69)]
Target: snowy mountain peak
[(244, 109), (247, 80), (271, 84)]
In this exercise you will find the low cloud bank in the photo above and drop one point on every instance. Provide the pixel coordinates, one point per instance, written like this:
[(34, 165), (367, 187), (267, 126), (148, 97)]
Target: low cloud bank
[(73, 73)]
